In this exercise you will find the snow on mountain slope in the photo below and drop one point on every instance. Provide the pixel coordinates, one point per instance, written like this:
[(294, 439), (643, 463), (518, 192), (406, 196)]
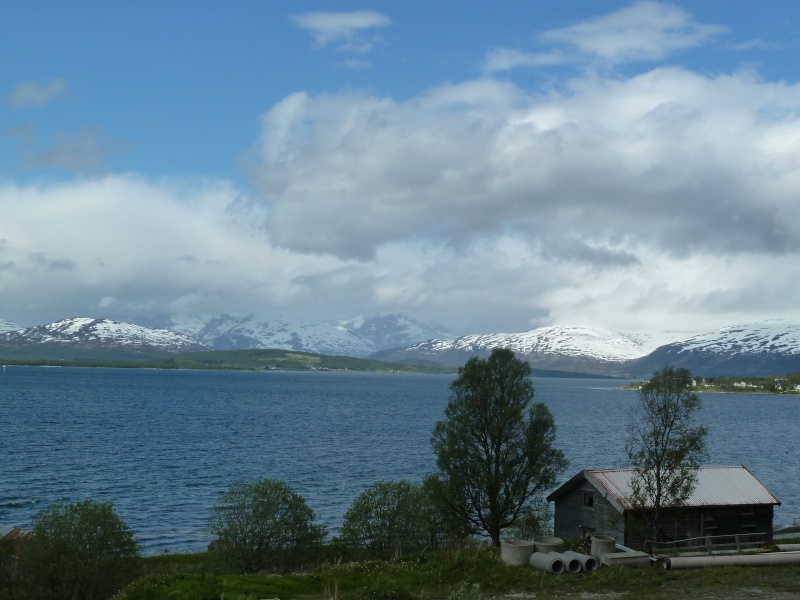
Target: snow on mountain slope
[(765, 348), (747, 338), (391, 331), (585, 342), (354, 337), (8, 326), (85, 331), (225, 332)]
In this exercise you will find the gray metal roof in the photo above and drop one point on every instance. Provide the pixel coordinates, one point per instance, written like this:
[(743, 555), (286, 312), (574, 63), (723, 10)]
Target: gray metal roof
[(716, 486)]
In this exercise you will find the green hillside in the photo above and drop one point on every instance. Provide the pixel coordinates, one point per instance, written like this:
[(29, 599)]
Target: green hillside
[(286, 360)]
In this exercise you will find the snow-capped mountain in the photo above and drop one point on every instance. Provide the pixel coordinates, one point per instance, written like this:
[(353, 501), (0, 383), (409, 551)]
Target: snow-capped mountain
[(577, 349), (770, 347), (356, 337), (391, 331), (8, 326), (97, 334), (765, 348)]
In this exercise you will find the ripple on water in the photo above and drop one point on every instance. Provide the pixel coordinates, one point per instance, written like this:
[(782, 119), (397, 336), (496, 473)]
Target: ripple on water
[(164, 445)]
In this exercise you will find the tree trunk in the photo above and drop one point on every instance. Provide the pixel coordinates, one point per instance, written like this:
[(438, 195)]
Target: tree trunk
[(495, 538)]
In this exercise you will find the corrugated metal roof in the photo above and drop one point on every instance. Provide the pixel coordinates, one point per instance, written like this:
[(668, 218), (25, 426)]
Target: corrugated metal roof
[(716, 486), (5, 530)]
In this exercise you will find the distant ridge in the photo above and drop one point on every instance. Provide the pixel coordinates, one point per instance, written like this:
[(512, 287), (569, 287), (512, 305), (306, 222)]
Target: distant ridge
[(770, 347), (758, 349), (357, 337), (94, 337), (567, 349), (765, 348)]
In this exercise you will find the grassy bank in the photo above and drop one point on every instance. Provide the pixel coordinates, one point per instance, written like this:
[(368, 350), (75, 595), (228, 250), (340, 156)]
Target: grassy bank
[(439, 575)]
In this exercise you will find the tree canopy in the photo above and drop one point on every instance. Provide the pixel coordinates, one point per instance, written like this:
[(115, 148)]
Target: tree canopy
[(81, 550), (389, 518), (495, 449), (664, 445), (265, 524)]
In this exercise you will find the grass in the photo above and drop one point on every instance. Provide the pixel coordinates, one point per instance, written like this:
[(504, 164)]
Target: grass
[(438, 575)]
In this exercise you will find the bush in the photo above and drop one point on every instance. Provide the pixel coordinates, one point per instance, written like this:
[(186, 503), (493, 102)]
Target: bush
[(265, 525), (82, 550), (390, 518)]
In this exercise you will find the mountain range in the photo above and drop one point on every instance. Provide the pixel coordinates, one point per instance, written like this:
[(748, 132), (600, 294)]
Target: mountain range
[(357, 337), (771, 347)]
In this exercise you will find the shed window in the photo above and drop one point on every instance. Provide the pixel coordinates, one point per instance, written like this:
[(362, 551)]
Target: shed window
[(588, 499)]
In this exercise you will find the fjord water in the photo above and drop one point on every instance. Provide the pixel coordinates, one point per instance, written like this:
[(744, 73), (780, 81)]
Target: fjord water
[(163, 445)]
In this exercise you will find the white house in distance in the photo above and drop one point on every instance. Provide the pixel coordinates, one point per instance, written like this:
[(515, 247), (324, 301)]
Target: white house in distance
[(727, 500)]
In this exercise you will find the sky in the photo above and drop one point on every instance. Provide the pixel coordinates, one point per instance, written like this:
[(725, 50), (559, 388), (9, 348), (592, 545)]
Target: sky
[(491, 167)]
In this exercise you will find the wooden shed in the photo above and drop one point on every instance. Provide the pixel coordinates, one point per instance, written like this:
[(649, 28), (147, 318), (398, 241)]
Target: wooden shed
[(727, 500)]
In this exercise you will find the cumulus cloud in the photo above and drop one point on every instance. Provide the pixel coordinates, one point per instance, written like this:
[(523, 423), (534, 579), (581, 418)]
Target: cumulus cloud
[(662, 199), (347, 31), (118, 245), (670, 157), (31, 93)]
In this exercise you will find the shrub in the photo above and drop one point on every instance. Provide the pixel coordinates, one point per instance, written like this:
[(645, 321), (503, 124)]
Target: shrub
[(82, 550), (389, 518), (265, 525)]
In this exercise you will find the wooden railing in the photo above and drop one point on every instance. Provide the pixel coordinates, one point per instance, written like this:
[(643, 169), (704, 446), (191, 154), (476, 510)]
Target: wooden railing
[(711, 543)]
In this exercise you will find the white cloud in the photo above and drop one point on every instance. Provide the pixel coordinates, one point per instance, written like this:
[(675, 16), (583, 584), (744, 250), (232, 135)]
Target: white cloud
[(31, 93), (646, 30), (657, 200), (684, 154), (139, 246), (345, 30)]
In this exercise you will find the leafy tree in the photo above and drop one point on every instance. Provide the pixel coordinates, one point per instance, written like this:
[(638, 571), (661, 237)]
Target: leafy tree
[(494, 450), (664, 446), (80, 551), (265, 525), (534, 520), (9, 571), (388, 518)]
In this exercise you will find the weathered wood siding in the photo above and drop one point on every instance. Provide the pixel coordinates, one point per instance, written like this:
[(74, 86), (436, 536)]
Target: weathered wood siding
[(573, 517), (692, 522)]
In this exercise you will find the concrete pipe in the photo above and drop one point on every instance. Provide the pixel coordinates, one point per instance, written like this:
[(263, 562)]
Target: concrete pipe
[(571, 564), (732, 560), (517, 552), (788, 547), (588, 563), (549, 543), (547, 562), (603, 544)]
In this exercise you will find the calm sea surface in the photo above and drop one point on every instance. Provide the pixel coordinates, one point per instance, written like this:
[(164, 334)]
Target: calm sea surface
[(163, 445)]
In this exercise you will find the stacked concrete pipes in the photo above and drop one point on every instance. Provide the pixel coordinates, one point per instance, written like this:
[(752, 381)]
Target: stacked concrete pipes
[(550, 556)]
